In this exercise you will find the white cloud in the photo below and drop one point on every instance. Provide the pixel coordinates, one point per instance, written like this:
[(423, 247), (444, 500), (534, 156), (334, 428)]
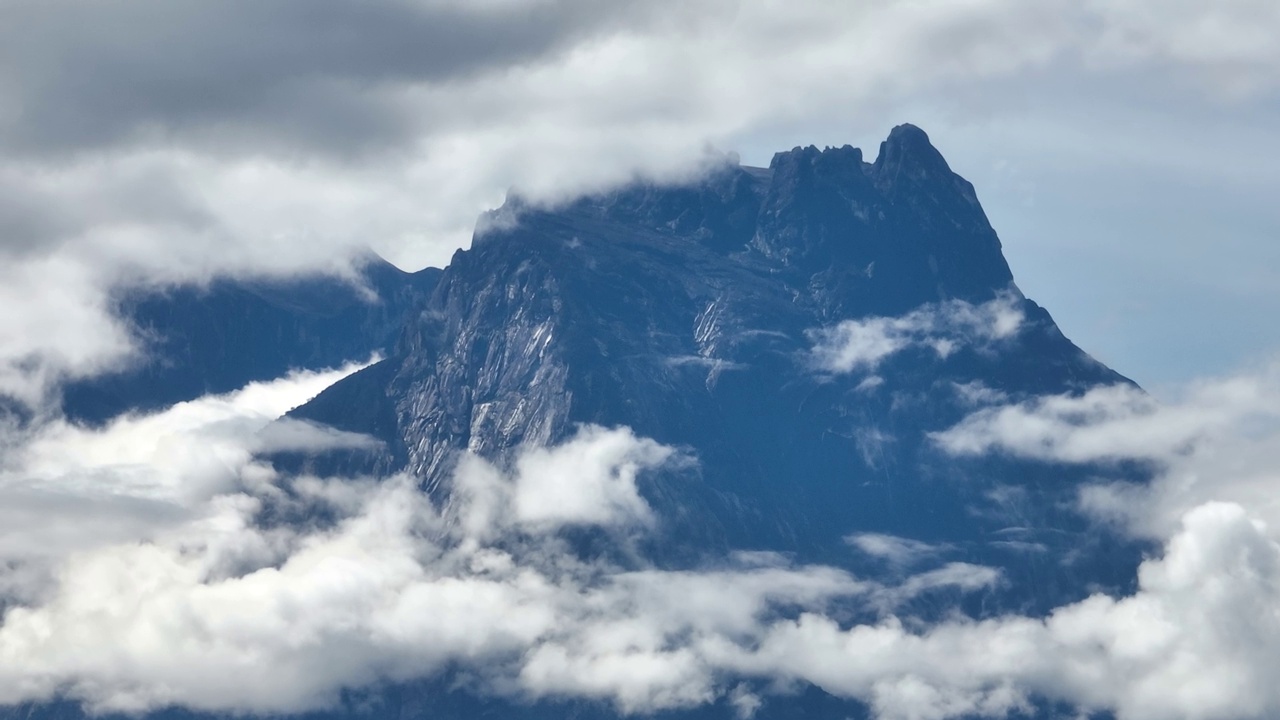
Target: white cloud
[(141, 474), (58, 325), (860, 345), (193, 450), (1214, 441), (202, 607), (745, 703), (206, 609), (898, 551), (1197, 640), (219, 614), (590, 480), (975, 392), (169, 157), (1114, 422)]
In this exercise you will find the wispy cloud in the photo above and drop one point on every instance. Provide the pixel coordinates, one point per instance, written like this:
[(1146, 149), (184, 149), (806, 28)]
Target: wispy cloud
[(197, 603), (897, 551), (1213, 441), (203, 606), (861, 345)]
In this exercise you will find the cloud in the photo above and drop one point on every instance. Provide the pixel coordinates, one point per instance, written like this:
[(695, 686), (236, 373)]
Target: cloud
[(140, 474), (1191, 642), (289, 435), (897, 551), (590, 480), (165, 142), (177, 593), (190, 600), (1196, 640), (1106, 423), (860, 345), (279, 72), (975, 392), (1213, 441), (335, 78)]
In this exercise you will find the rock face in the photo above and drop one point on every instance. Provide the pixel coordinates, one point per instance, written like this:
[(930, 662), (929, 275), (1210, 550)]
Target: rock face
[(221, 337), (699, 315)]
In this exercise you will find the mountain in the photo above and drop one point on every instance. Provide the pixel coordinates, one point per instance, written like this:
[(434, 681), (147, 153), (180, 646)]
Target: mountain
[(800, 334), (694, 315), (220, 337)]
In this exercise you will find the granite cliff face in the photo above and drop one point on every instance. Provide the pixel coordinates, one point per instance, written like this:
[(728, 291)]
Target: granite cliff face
[(698, 315)]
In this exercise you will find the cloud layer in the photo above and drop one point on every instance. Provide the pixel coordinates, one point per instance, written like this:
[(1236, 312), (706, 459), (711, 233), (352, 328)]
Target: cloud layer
[(860, 345), (169, 588), (163, 142), (203, 605), (179, 594)]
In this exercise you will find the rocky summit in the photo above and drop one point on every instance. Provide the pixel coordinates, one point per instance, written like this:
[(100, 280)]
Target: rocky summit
[(800, 331)]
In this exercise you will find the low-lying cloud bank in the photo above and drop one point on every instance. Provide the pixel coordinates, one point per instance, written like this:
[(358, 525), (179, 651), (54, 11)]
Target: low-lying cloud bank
[(177, 594)]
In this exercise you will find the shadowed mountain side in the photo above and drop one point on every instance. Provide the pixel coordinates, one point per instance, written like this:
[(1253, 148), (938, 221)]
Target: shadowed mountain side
[(215, 339)]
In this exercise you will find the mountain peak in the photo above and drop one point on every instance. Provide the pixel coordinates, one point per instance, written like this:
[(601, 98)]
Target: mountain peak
[(883, 237), (870, 238), (908, 151), (908, 134)]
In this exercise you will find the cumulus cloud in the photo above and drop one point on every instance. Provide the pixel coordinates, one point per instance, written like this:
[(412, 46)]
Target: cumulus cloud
[(177, 593), (860, 345), (591, 480), (55, 330)]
